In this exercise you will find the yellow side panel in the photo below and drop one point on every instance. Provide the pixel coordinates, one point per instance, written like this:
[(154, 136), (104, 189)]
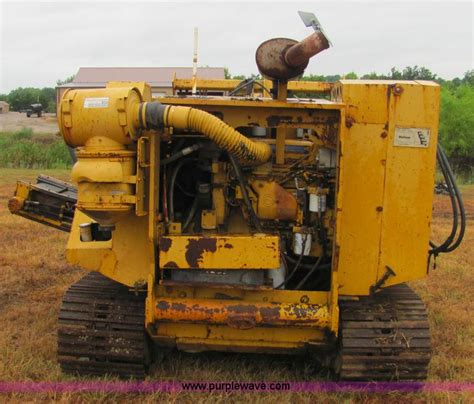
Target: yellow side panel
[(218, 252), (361, 196), (408, 198), (125, 258), (386, 177)]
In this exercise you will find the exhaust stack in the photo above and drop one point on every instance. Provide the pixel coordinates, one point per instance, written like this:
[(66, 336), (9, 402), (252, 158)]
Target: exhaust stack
[(283, 58)]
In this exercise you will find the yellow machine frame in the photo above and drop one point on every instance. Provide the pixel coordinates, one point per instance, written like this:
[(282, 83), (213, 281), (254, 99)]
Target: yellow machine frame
[(385, 136)]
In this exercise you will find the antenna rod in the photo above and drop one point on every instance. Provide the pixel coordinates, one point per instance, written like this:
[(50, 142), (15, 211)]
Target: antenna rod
[(195, 59)]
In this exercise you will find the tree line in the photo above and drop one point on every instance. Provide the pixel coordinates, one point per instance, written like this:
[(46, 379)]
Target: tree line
[(22, 97)]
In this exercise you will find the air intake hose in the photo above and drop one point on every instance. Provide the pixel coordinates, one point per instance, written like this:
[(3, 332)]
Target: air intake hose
[(154, 115)]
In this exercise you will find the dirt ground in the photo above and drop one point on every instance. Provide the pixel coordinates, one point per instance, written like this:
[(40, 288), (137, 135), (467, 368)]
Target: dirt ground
[(34, 275), (14, 121)]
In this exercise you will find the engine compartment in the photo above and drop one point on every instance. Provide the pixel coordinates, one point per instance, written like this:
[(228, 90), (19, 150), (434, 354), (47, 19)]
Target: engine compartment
[(206, 190)]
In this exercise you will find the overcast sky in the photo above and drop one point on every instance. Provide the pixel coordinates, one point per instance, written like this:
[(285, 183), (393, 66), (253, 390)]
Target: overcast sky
[(45, 41)]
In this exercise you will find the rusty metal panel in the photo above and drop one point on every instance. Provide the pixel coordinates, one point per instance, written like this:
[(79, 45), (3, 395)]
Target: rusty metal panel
[(241, 314), (259, 251), (228, 85)]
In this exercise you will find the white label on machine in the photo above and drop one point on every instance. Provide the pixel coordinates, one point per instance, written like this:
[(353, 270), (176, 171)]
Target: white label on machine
[(97, 102), (412, 137)]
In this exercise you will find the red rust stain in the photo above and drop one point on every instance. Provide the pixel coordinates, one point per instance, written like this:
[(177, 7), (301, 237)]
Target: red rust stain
[(270, 313), (162, 305), (171, 264), (196, 248), (165, 244), (243, 309), (275, 120), (349, 121), (241, 321), (179, 307), (287, 206)]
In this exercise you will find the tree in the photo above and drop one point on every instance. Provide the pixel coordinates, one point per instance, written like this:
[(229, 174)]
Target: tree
[(351, 76), (457, 126), (469, 78), (22, 98), (47, 95), (417, 73), (69, 79)]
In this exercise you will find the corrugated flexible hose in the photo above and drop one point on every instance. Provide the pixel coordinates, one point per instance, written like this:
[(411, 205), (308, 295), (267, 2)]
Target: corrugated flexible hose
[(225, 136)]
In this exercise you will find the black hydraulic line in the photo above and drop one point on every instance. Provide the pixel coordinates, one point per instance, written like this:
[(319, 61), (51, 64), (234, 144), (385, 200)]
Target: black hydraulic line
[(310, 272), (181, 153), (460, 201), (263, 87), (243, 84), (436, 249), (174, 174), (247, 83), (245, 195), (191, 214), (187, 193), (457, 203), (308, 275), (297, 265), (295, 260)]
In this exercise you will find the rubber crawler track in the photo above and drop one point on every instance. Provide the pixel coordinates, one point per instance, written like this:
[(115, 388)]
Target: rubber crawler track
[(101, 329), (385, 337)]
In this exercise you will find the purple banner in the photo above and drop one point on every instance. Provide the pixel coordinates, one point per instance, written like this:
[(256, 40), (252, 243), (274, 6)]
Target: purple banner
[(151, 387)]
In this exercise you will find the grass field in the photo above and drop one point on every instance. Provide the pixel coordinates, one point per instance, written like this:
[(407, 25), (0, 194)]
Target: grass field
[(34, 275), (26, 149)]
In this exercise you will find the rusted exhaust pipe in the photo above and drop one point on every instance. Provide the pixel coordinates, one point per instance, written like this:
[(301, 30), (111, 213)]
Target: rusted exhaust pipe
[(304, 50), (283, 58)]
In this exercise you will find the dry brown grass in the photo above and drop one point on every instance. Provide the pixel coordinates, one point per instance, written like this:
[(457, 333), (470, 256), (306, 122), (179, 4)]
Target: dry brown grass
[(34, 275)]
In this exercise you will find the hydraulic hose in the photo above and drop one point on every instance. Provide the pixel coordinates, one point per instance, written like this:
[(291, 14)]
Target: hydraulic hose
[(181, 153), (245, 195), (174, 174), (450, 244), (155, 115)]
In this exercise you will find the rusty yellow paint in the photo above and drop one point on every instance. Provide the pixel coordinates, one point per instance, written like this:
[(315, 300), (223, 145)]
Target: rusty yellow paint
[(229, 85), (239, 314), (385, 191), (255, 103), (320, 115), (383, 206), (258, 251), (280, 145), (258, 295), (199, 337)]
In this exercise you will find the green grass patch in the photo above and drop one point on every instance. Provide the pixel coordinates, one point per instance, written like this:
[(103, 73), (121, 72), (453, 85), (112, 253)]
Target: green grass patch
[(24, 149)]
